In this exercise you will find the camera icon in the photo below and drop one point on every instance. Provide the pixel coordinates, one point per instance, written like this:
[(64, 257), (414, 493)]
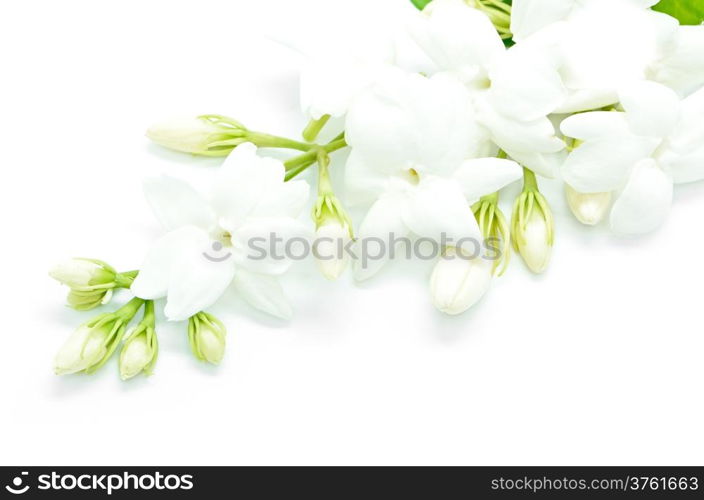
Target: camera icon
[(17, 488)]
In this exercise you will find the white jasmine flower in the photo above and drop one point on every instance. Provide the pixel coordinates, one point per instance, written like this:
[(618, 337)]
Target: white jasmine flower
[(657, 141), (512, 90), (413, 140), (223, 240), (601, 46)]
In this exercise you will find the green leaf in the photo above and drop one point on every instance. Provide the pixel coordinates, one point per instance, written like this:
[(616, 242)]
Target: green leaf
[(686, 11), (420, 4)]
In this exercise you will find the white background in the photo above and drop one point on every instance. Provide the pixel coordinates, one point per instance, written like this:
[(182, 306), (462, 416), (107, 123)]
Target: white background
[(597, 362)]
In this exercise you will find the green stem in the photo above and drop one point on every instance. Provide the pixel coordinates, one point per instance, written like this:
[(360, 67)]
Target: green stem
[(128, 311), (300, 163), (149, 316), (262, 140), (312, 130)]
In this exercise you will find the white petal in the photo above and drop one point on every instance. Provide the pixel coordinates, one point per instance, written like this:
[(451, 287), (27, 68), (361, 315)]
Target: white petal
[(684, 167), (364, 184), (175, 203), (409, 120), (595, 125), (263, 293), (544, 164), (682, 69), (683, 154), (529, 16), (651, 109), (645, 202), (604, 164), (243, 181), (283, 200), (332, 77), (438, 210), (587, 99), (383, 222), (268, 244), (486, 175), (525, 84), (457, 37), (198, 278), (510, 134), (155, 272)]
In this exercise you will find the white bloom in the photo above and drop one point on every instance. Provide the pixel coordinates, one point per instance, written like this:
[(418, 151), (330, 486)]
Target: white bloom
[(512, 90), (597, 52), (224, 240), (83, 349), (458, 282), (411, 138), (588, 208), (330, 241), (658, 140)]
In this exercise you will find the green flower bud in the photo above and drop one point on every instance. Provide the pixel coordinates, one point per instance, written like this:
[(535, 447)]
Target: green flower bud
[(141, 349), (92, 344), (206, 135), (206, 335), (91, 281)]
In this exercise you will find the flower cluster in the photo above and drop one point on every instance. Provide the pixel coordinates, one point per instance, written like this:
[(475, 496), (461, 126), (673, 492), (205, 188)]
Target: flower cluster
[(465, 99)]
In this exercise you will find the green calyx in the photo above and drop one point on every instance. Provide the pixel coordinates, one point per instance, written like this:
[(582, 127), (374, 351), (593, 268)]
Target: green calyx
[(328, 209), (92, 282), (145, 334), (528, 202), (492, 224), (206, 336), (229, 133)]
